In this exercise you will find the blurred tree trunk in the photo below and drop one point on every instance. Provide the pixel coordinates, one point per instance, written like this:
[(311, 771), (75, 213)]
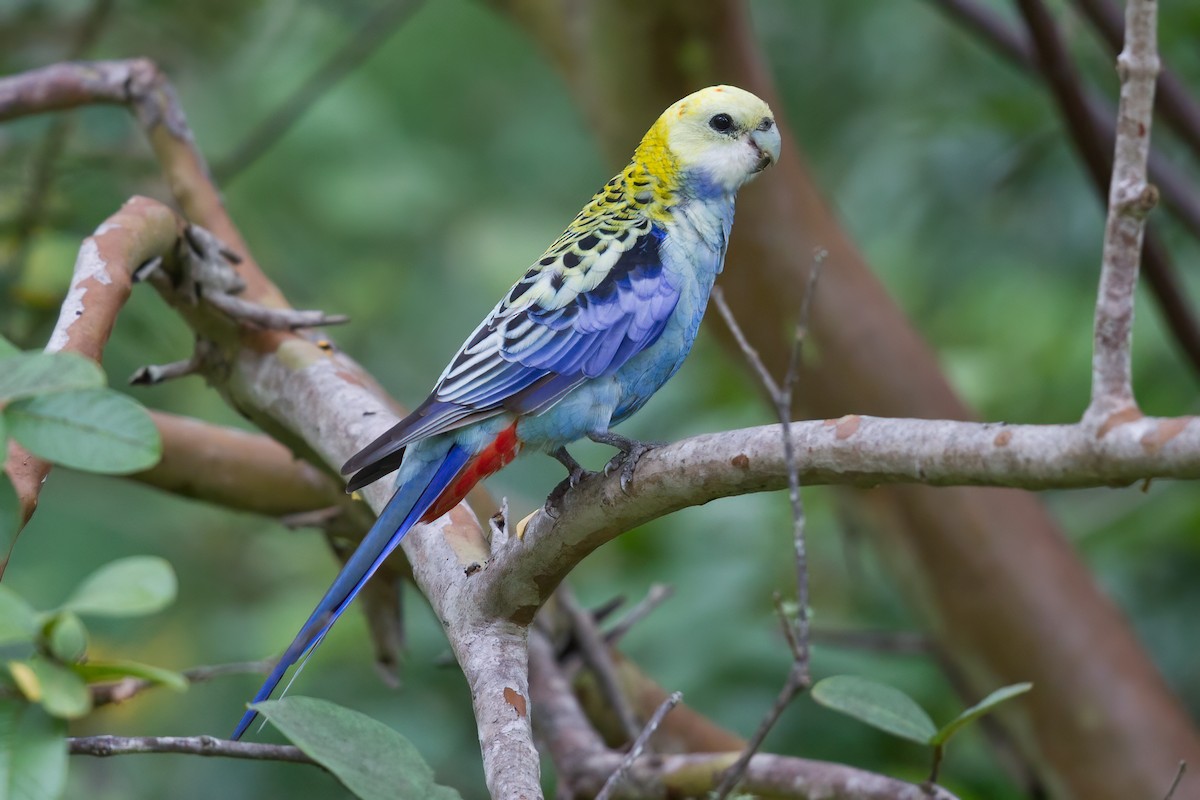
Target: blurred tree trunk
[(1002, 589)]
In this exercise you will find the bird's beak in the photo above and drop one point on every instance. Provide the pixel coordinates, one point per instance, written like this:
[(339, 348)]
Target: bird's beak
[(765, 139)]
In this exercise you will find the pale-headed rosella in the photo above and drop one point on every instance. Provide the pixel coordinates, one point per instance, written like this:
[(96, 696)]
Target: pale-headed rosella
[(594, 328)]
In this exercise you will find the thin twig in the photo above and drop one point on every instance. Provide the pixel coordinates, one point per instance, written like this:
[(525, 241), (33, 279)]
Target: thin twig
[(122, 690), (797, 682), (312, 518), (595, 654), (752, 356), (1131, 198), (799, 677), (275, 319), (892, 642), (44, 162), (639, 744), (154, 374), (1176, 105), (1178, 779), (371, 34), (190, 745), (1093, 136), (658, 594), (784, 409)]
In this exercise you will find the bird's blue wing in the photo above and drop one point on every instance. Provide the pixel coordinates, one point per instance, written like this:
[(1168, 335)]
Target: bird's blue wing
[(592, 303)]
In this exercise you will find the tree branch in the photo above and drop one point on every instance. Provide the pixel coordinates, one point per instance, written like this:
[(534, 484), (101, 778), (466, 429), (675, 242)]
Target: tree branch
[(127, 688), (143, 229), (1130, 199), (855, 450), (1089, 123), (190, 745), (1176, 105), (238, 469), (376, 29), (584, 764)]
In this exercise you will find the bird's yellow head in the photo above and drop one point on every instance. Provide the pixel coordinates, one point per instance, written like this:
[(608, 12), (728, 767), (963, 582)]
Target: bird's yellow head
[(717, 139)]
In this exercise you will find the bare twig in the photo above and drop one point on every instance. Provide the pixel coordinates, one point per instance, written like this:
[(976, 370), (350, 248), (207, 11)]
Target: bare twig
[(1178, 779), (893, 642), (376, 29), (639, 745), (190, 745), (584, 765), (44, 161), (275, 319), (154, 374), (101, 283), (797, 682), (595, 655), (799, 678), (1130, 199), (1176, 105), (1093, 134), (122, 690), (659, 593)]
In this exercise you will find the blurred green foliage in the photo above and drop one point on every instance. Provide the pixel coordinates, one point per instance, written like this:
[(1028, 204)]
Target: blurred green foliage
[(413, 193)]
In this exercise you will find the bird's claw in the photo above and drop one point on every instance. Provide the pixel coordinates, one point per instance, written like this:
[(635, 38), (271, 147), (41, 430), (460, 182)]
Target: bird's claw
[(627, 460), (575, 476)]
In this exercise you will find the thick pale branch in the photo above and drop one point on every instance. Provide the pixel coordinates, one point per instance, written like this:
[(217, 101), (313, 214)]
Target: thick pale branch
[(237, 469), (855, 450), (308, 390), (143, 229)]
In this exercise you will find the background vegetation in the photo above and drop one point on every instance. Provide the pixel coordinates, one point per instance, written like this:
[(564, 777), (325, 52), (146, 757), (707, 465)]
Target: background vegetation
[(410, 196)]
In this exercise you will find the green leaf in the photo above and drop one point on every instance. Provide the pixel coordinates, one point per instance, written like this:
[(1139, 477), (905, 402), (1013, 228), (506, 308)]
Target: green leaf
[(877, 705), (369, 758), (978, 710), (97, 430), (10, 511), (60, 691), (127, 587), (18, 620), (109, 671), (28, 374), (7, 349), (33, 752), (65, 637)]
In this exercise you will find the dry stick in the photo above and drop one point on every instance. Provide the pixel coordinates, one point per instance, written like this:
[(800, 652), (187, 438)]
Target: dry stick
[(1175, 783), (639, 745), (799, 678), (658, 594), (313, 398), (370, 36), (1176, 105), (892, 642), (1093, 137), (43, 163), (1130, 198), (189, 745), (596, 656), (100, 285), (122, 690)]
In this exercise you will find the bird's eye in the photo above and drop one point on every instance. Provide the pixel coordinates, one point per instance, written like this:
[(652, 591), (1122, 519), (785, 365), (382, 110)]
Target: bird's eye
[(721, 123)]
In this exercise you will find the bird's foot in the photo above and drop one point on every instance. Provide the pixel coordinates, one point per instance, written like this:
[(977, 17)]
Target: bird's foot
[(627, 460), (575, 474)]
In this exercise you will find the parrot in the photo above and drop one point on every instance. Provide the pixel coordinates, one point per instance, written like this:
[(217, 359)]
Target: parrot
[(590, 332)]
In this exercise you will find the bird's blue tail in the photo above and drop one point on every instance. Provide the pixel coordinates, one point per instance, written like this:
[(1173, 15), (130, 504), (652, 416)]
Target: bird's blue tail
[(401, 513)]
